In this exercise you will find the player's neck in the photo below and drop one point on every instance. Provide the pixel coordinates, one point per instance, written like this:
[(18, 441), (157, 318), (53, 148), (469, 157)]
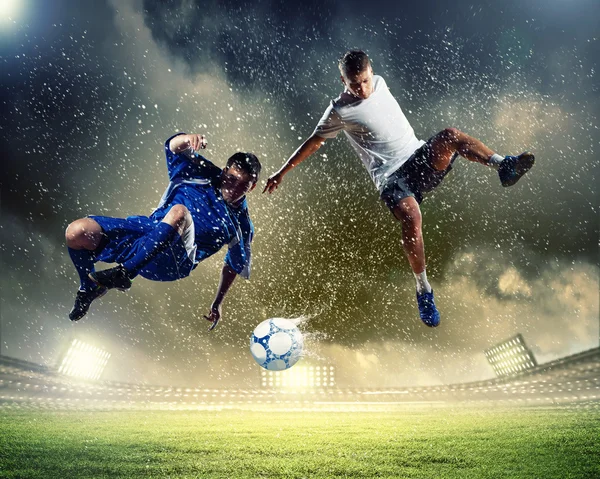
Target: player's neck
[(236, 204)]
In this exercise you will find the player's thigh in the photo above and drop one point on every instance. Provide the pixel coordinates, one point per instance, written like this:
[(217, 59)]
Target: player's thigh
[(176, 262), (442, 147)]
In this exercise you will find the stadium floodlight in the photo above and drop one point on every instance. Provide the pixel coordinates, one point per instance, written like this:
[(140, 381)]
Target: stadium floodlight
[(300, 377), (84, 361), (510, 357)]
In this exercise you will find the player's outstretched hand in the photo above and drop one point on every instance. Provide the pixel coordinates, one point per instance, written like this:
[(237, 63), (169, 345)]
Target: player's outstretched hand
[(273, 183), (214, 316)]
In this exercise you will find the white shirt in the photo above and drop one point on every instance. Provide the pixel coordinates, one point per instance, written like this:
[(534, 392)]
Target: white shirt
[(376, 128)]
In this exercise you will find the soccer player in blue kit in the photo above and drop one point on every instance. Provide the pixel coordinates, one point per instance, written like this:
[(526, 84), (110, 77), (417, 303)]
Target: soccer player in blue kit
[(402, 167), (203, 209)]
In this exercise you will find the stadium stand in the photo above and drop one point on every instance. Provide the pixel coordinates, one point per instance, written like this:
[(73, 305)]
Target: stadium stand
[(572, 380)]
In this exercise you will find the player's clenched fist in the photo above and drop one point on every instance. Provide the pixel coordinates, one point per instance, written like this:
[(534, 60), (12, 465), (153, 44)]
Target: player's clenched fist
[(196, 142)]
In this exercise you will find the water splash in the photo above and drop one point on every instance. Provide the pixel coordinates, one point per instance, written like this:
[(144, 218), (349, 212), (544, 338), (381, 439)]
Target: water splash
[(311, 339)]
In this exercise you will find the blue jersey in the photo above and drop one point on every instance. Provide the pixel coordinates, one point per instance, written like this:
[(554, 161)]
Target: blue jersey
[(196, 185)]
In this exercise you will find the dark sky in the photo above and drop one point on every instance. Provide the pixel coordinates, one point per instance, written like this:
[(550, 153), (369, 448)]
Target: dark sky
[(90, 91)]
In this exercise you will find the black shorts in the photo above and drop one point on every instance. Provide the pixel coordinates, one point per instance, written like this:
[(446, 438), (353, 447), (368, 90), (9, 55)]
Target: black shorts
[(414, 178)]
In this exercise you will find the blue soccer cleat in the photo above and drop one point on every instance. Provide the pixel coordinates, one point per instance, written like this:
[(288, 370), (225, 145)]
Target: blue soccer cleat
[(513, 168), (427, 310)]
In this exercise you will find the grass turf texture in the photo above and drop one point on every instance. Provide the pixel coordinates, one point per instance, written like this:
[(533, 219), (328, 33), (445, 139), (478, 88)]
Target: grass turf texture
[(437, 443)]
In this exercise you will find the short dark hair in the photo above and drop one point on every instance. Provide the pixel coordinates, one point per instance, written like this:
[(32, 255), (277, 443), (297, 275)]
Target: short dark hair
[(353, 62), (246, 162)]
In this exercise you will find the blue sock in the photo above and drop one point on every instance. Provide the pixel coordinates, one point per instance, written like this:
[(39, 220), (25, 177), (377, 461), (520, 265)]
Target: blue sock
[(83, 260), (155, 242)]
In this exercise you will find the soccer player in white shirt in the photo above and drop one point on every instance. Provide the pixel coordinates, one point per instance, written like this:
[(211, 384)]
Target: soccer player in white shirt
[(402, 167)]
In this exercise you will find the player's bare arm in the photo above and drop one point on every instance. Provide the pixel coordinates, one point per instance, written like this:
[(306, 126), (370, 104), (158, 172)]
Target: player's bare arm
[(227, 277), (307, 148)]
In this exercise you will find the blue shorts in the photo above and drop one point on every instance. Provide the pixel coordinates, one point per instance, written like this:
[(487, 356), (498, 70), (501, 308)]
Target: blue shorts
[(414, 178), (124, 237)]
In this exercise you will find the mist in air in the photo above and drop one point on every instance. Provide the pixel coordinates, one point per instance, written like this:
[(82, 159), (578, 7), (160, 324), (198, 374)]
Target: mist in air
[(91, 92)]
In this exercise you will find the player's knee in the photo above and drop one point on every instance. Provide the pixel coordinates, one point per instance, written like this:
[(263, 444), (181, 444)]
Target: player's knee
[(83, 233), (75, 233), (451, 134), (408, 213), (179, 215)]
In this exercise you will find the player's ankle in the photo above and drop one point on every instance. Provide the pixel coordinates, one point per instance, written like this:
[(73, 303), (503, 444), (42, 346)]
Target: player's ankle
[(423, 285), (495, 161), (130, 273)]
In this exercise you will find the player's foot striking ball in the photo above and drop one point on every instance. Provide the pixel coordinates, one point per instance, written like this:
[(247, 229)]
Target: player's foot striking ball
[(203, 209), (403, 168)]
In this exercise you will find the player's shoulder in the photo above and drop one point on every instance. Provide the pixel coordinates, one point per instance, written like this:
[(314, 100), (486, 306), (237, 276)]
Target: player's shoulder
[(343, 100), (243, 215), (378, 82), (205, 164)]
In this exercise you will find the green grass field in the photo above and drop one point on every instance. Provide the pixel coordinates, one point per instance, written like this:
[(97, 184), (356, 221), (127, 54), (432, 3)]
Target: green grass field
[(413, 443)]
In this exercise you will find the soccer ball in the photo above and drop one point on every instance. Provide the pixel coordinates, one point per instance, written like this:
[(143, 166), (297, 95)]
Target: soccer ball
[(276, 344)]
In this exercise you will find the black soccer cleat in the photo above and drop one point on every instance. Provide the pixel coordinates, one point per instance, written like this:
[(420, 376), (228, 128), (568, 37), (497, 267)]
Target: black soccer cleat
[(83, 300), (513, 168), (113, 278)]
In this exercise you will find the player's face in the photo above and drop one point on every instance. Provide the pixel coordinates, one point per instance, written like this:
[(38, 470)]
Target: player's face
[(235, 183), (361, 84)]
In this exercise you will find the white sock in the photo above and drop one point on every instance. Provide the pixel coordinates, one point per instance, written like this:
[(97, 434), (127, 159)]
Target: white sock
[(422, 283), (495, 161)]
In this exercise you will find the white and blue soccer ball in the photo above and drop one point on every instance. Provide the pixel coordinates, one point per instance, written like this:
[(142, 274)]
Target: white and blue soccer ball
[(276, 344)]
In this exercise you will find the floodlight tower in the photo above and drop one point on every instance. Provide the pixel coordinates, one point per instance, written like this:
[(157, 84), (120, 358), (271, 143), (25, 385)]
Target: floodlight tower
[(300, 377), (510, 357), (84, 361)]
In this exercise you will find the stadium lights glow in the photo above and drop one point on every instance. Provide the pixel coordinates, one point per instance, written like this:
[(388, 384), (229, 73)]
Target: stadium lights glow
[(84, 361), (510, 357), (300, 377), (9, 10)]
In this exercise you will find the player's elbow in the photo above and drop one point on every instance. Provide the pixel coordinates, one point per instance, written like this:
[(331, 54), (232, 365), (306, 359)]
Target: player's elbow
[(316, 142), (173, 146), (178, 144)]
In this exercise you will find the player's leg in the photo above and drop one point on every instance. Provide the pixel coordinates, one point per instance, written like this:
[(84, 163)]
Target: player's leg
[(84, 237), (176, 262), (408, 212), (451, 140), (168, 231)]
